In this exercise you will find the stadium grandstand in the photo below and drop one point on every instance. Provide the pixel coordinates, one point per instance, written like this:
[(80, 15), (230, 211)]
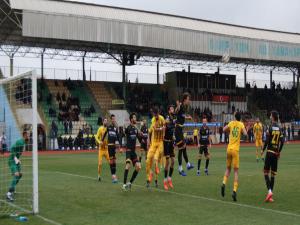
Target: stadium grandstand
[(210, 60)]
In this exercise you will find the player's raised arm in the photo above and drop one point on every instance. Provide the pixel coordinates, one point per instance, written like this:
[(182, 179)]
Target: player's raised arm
[(226, 128)]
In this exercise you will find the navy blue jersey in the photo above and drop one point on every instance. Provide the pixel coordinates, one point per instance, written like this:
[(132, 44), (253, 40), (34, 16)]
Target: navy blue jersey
[(170, 126), (131, 133), (204, 135)]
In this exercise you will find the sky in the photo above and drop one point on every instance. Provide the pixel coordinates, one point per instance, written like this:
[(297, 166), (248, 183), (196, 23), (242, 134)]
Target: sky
[(280, 15)]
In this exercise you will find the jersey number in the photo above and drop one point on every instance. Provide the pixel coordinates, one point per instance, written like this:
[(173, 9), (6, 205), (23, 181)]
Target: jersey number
[(275, 135), (235, 132)]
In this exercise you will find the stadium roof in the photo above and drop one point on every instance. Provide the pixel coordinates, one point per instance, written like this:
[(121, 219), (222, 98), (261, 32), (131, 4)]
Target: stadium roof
[(97, 28)]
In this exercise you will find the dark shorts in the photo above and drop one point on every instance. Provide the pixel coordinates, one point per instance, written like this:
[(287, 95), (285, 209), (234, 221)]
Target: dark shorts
[(179, 139), (169, 149), (131, 156), (271, 162), (112, 151), (204, 149), (144, 146)]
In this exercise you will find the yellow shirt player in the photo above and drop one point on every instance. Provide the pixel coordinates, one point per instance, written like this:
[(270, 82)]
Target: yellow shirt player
[(235, 129), (195, 134), (101, 140), (258, 133), (156, 134)]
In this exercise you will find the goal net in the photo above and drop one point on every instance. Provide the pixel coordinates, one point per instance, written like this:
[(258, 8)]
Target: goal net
[(18, 144)]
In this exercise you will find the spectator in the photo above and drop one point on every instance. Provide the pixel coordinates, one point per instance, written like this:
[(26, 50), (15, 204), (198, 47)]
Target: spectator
[(66, 126), (221, 133), (93, 142), (99, 122), (289, 133), (70, 143), (65, 143), (293, 131), (92, 109), (63, 97), (53, 134), (60, 143), (58, 98), (3, 143), (70, 127)]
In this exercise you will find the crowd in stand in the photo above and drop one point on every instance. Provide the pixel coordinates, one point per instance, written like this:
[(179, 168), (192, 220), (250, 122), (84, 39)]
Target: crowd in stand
[(23, 91), (282, 99)]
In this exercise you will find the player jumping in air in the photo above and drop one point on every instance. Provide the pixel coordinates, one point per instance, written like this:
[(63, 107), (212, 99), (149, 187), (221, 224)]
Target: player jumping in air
[(204, 141), (112, 136), (273, 144), (14, 163), (258, 133), (131, 133), (235, 129), (156, 133), (103, 147), (179, 138), (169, 148)]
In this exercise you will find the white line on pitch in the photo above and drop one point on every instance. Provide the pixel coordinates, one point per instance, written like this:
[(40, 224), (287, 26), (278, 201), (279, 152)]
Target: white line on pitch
[(29, 212), (195, 196)]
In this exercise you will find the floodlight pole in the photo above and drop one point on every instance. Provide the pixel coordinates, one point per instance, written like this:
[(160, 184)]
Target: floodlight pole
[(42, 63), (124, 78), (271, 78), (11, 61), (157, 73), (245, 77), (83, 67)]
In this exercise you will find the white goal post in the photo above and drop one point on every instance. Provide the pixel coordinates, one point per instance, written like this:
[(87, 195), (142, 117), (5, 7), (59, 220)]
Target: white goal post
[(18, 114)]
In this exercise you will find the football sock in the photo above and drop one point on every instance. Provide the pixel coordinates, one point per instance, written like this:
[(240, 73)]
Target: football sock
[(180, 157), (199, 163), (185, 155), (166, 173), (99, 169), (235, 186), (206, 163), (125, 176), (225, 180), (272, 182), (267, 179), (171, 171), (135, 173)]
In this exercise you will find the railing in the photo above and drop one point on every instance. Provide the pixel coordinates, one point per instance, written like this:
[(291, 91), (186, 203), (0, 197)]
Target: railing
[(91, 75)]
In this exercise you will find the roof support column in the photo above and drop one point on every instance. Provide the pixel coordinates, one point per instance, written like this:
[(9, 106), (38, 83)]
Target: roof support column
[(245, 77), (124, 80), (83, 67), (157, 72), (42, 64), (11, 64), (294, 79), (271, 78)]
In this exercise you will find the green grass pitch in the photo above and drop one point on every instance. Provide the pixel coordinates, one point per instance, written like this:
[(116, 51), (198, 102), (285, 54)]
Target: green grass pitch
[(70, 194)]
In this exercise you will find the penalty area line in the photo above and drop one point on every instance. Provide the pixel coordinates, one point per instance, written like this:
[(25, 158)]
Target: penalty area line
[(195, 197)]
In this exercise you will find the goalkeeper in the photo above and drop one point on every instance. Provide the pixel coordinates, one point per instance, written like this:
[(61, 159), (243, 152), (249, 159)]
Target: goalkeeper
[(14, 163)]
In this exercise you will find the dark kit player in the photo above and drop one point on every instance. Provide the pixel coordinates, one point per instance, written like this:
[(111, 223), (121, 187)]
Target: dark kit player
[(112, 135), (274, 143), (131, 133), (204, 141), (180, 111)]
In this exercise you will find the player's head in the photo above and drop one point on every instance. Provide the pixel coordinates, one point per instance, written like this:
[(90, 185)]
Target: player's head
[(186, 98), (132, 118), (113, 118), (204, 121), (156, 112), (257, 120), (238, 116), (105, 122), (171, 109), (274, 116), (25, 135)]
